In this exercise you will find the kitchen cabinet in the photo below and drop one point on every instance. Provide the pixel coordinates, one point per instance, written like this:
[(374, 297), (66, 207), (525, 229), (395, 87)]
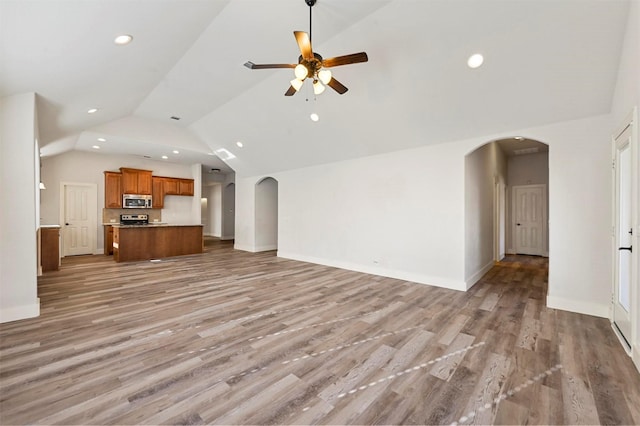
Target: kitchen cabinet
[(163, 186), (108, 240), (133, 243), (112, 190), (185, 187), (136, 181), (171, 186), (50, 248), (158, 192)]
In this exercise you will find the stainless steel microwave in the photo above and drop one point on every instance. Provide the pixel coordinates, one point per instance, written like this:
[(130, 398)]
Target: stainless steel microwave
[(131, 201)]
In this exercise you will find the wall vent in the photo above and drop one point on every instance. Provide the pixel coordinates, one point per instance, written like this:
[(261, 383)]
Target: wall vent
[(525, 151)]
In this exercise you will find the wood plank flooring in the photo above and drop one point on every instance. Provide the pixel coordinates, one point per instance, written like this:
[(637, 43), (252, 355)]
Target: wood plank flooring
[(229, 337)]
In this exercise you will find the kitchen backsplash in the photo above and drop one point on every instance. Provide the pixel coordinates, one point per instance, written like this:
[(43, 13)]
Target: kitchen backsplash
[(113, 215)]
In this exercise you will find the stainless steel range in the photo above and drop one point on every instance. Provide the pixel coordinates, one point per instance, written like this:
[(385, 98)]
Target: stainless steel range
[(134, 219)]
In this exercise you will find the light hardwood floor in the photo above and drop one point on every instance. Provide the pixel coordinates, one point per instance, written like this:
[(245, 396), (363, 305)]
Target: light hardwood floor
[(230, 337)]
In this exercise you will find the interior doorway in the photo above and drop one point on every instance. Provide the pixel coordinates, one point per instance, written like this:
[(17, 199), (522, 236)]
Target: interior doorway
[(492, 171), (623, 234), (529, 219), (78, 210), (228, 212), (266, 216)]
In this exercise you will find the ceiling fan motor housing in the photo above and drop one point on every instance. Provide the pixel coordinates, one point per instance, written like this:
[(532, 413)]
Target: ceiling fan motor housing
[(313, 65)]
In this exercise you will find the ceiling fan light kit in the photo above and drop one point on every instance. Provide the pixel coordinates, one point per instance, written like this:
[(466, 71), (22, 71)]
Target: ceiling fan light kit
[(312, 65)]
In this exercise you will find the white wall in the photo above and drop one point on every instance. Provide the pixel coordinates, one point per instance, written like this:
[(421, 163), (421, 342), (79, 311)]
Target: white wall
[(484, 167), (398, 214), (18, 248), (87, 167), (627, 96), (402, 214), (529, 169)]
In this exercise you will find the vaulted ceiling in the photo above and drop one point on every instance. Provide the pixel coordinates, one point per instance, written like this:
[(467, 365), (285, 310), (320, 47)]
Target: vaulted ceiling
[(545, 61)]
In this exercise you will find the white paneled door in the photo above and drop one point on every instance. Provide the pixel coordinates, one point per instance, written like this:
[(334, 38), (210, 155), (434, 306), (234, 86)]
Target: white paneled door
[(623, 233), (530, 221), (79, 224)]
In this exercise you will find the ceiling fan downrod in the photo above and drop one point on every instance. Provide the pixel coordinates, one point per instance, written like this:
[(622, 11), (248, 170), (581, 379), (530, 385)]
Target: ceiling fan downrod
[(310, 3)]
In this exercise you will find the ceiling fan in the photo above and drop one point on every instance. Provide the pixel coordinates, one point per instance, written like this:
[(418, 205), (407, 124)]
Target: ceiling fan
[(312, 65)]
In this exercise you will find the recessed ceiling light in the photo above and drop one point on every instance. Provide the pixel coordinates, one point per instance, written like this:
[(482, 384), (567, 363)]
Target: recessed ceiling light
[(164, 157), (92, 110), (102, 140), (96, 147), (475, 60), (314, 117), (123, 39), (239, 144), (518, 138), (175, 151)]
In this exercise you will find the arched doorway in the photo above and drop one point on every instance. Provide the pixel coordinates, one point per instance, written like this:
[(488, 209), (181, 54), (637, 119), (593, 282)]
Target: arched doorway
[(228, 212), (506, 203), (266, 216)]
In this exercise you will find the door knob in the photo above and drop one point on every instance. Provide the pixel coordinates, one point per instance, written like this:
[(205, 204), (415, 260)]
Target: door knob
[(630, 248), (67, 224), (517, 224)]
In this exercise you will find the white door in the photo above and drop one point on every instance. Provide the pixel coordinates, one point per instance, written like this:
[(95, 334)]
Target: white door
[(529, 213), (78, 228), (623, 233)]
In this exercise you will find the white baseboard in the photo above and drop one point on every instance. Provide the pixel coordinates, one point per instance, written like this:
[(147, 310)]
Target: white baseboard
[(254, 249), (580, 307), (476, 277), (377, 270), (16, 313), (226, 238)]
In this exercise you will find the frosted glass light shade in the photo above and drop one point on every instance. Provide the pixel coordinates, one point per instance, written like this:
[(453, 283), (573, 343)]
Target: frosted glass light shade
[(301, 72), (325, 76), (296, 84), (317, 87)]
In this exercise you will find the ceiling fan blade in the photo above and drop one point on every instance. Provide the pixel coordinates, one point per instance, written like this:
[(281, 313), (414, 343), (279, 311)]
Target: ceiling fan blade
[(292, 91), (337, 86), (253, 66), (354, 58), (304, 44)]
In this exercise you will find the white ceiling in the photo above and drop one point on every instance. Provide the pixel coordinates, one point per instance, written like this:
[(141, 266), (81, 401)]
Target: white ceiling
[(545, 61)]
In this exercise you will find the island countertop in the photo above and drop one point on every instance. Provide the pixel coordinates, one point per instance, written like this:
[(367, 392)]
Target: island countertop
[(146, 242)]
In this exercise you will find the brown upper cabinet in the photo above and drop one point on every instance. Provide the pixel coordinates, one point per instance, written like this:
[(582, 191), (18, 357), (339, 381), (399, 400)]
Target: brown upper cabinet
[(112, 190), (136, 181), (158, 192), (185, 186), (171, 186)]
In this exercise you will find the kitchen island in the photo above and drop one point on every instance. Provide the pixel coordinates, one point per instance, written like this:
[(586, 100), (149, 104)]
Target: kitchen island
[(145, 242)]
